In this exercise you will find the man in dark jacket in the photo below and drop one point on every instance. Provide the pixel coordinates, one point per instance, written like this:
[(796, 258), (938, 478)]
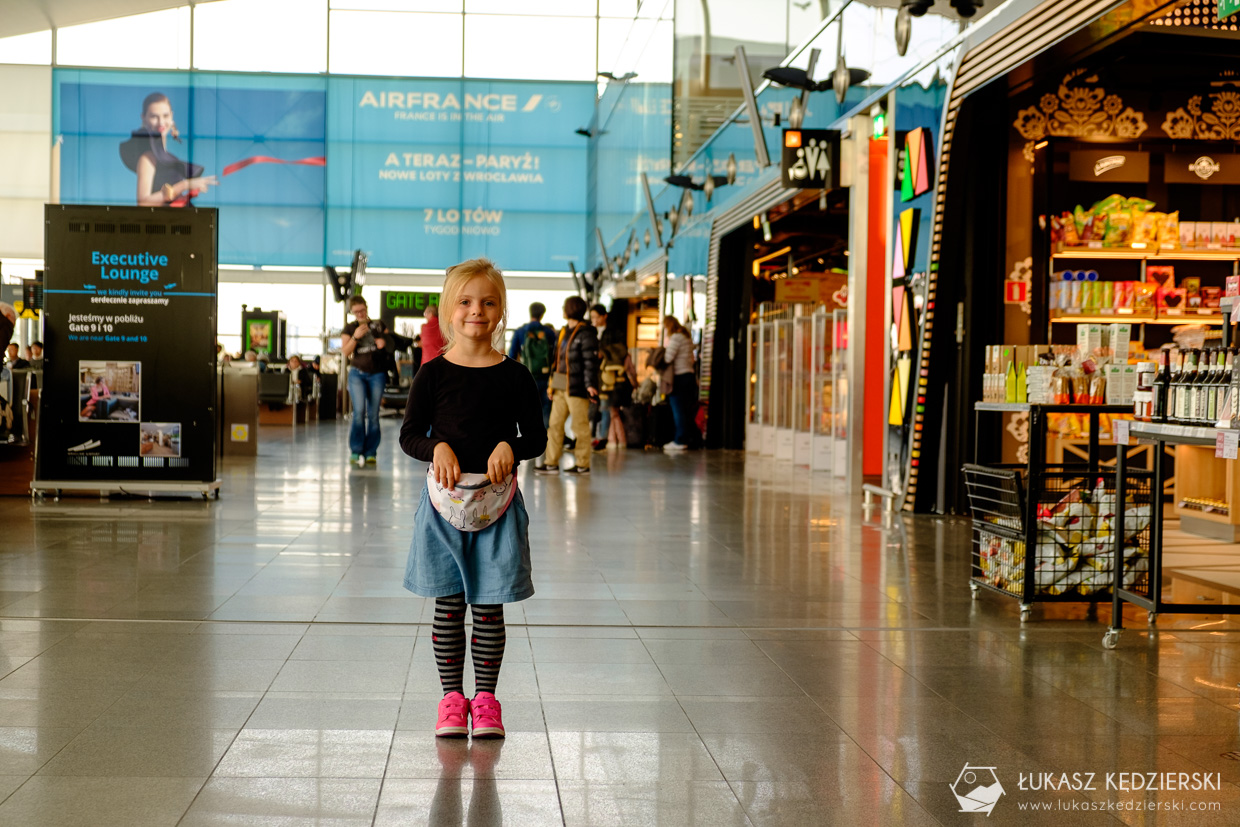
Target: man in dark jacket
[(574, 382), (538, 357)]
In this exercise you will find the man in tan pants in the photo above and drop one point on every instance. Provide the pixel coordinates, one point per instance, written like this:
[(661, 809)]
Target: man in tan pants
[(574, 382)]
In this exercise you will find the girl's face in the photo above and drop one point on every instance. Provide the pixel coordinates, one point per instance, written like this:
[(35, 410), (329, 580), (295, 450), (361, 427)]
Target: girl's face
[(477, 312), (158, 117)]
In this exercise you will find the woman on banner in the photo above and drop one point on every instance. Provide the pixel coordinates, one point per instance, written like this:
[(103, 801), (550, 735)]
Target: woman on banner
[(163, 178)]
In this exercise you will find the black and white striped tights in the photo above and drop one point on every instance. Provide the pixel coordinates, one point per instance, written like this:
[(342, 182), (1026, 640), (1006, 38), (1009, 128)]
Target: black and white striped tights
[(486, 643)]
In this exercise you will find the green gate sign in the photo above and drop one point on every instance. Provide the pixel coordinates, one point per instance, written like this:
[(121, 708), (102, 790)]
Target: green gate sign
[(1226, 8)]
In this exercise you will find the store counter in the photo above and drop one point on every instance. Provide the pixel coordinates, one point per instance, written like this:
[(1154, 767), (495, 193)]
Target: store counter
[(1147, 593)]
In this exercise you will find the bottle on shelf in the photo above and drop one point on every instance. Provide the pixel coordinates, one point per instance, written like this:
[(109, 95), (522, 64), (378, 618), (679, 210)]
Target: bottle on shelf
[(1201, 387), (1174, 374), (1184, 393), (1209, 402), (1231, 400), (1223, 387), (1205, 378), (1161, 390)]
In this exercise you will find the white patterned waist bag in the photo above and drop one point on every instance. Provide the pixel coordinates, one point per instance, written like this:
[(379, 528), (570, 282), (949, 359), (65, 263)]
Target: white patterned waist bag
[(474, 502)]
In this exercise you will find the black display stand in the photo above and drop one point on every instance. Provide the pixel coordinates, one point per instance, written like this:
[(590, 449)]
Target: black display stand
[(1005, 501), (129, 401)]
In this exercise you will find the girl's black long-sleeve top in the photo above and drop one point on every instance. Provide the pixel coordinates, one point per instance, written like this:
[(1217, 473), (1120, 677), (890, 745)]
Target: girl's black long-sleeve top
[(473, 410)]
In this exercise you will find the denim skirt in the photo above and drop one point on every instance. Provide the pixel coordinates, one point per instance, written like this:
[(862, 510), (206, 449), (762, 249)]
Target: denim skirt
[(489, 566)]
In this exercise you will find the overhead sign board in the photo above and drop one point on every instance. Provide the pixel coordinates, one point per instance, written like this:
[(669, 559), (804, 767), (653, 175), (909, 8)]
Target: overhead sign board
[(1202, 168), (810, 159), (1109, 165)]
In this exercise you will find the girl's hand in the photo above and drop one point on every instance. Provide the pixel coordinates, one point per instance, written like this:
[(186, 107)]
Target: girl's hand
[(499, 466), (447, 468)]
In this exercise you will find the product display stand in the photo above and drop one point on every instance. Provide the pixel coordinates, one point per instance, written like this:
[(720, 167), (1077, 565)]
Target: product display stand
[(1161, 434), (1013, 549)]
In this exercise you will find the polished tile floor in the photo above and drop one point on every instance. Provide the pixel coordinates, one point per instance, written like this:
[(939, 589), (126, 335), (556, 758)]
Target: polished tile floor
[(715, 640)]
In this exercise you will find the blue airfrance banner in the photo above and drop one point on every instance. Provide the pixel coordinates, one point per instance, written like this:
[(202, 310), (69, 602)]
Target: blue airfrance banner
[(436, 171), (419, 173)]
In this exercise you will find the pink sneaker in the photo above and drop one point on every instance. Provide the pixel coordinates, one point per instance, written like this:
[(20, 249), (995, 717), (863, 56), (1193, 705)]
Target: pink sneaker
[(486, 713), (453, 716)]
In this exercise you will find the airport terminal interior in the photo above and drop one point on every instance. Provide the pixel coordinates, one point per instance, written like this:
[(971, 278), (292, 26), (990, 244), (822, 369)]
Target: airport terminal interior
[(710, 643), (901, 441)]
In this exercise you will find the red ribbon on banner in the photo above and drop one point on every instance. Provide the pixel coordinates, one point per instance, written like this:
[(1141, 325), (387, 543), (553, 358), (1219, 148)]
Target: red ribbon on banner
[(319, 161), (267, 159)]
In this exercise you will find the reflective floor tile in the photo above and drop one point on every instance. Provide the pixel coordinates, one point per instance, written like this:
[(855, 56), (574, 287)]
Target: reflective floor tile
[(705, 803), (601, 679), (340, 676), (284, 802), (778, 757), (857, 795), (202, 710), (521, 755), (711, 652), (407, 802), (66, 709), (303, 710), (212, 675), (609, 714), (306, 753), (141, 751), (47, 801), (1169, 716), (632, 757), (754, 679), (794, 716), (24, 749), (562, 650), (354, 648)]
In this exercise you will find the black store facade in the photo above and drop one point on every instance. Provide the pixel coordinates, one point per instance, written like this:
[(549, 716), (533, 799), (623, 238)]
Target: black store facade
[(1065, 104)]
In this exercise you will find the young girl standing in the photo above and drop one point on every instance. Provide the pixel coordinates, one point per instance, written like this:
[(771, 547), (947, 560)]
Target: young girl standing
[(483, 414)]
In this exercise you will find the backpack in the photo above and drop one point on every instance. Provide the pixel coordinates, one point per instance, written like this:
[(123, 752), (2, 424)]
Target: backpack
[(612, 370), (536, 351)]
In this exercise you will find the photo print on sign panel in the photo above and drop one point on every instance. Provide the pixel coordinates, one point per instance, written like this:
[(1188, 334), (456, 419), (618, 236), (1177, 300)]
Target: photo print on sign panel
[(109, 391)]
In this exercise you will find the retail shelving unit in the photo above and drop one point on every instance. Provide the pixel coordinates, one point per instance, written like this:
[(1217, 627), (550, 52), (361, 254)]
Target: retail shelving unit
[(1148, 592), (1159, 316)]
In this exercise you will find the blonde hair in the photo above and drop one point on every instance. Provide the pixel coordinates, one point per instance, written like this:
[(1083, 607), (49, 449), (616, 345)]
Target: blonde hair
[(458, 276)]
